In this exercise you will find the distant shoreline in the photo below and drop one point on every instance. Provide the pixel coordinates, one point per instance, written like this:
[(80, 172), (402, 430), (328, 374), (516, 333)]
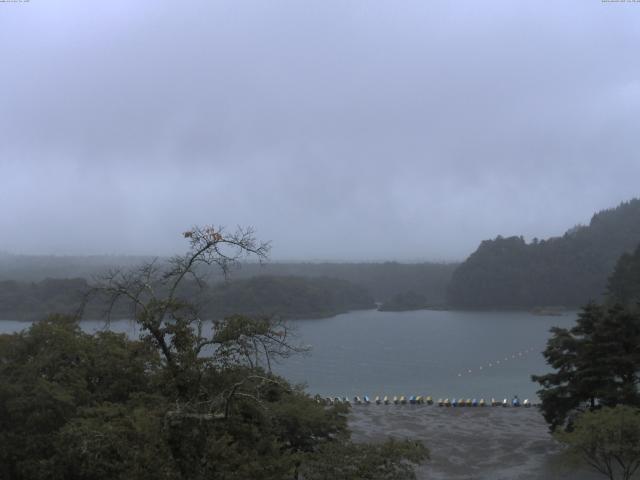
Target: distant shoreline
[(324, 315)]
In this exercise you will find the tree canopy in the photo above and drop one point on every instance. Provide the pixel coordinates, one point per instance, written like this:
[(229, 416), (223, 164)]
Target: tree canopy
[(608, 440), (182, 402), (624, 283), (596, 363), (569, 270)]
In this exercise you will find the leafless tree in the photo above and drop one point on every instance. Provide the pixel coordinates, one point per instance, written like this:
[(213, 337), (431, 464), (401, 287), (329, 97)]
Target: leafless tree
[(154, 293)]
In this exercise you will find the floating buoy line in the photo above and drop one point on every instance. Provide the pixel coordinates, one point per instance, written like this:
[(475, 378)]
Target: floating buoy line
[(424, 400), (442, 402), (496, 363)]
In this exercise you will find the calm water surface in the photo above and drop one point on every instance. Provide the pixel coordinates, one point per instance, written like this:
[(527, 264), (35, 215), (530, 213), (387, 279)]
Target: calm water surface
[(438, 353)]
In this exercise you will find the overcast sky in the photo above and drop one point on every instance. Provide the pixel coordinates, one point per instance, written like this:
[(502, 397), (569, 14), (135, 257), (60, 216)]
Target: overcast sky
[(362, 130)]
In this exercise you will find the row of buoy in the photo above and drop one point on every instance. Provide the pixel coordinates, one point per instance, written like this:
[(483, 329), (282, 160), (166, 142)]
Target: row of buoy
[(419, 400), (496, 363)]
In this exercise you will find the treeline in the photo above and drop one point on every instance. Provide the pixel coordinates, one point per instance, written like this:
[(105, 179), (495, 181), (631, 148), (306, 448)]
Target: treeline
[(568, 270), (404, 302), (285, 296), (381, 280), (36, 300), (624, 284)]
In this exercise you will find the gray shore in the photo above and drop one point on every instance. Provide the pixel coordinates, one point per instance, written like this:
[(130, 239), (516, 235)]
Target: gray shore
[(491, 443)]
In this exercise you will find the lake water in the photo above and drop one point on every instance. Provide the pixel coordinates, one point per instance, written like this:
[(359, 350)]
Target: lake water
[(439, 353)]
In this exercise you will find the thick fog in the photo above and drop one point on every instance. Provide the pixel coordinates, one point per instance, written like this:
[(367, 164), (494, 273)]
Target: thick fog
[(362, 130)]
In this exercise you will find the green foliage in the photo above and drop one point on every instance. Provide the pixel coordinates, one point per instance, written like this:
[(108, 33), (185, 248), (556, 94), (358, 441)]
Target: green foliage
[(50, 376), (286, 296), (32, 301), (381, 280), (607, 439), (624, 283), (405, 301), (180, 403), (569, 270), (596, 363)]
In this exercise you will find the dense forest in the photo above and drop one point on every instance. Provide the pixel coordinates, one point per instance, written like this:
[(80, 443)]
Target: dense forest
[(405, 301), (285, 296), (568, 270), (624, 283), (104, 407), (381, 280)]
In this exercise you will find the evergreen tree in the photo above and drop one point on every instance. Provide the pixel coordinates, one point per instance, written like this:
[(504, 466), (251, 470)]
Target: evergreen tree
[(596, 362)]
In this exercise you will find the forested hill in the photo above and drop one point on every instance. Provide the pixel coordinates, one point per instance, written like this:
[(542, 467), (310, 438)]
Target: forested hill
[(568, 270), (284, 296), (287, 296), (624, 283), (382, 280)]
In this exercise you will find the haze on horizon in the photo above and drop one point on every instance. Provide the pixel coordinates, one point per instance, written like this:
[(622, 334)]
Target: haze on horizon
[(340, 130)]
